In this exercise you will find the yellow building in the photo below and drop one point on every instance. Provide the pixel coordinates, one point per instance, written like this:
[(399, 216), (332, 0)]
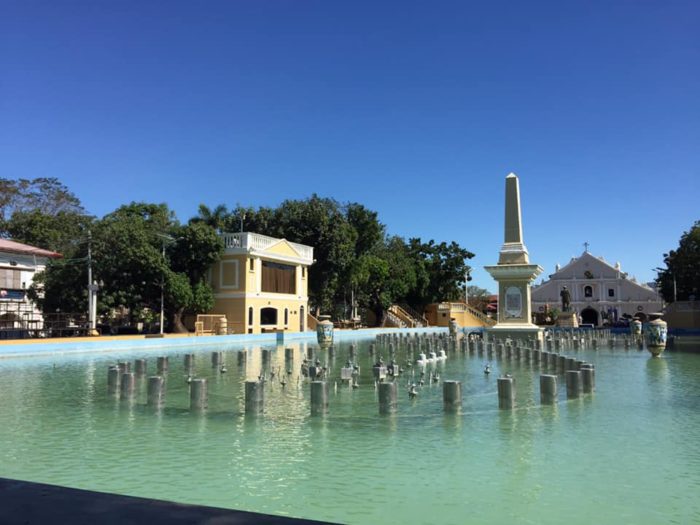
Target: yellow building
[(261, 283), (439, 314)]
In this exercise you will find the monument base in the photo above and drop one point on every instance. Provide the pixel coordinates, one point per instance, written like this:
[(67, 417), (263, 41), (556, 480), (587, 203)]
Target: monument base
[(525, 332), (567, 320)]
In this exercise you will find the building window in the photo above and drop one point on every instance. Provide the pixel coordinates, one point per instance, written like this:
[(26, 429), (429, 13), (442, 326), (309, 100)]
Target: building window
[(252, 264), (286, 316), (588, 291), (611, 292), (303, 272), (278, 278), (250, 316), (10, 279), (268, 316)]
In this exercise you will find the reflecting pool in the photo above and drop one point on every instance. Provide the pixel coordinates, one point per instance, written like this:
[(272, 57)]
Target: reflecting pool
[(626, 454)]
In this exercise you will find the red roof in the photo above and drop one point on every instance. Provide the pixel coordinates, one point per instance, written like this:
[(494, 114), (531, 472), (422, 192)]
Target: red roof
[(7, 245)]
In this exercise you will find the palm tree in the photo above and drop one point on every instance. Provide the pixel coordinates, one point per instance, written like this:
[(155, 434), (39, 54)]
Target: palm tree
[(215, 218)]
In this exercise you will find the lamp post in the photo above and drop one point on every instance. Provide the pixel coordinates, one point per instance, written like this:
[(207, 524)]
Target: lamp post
[(467, 278), (165, 238), (162, 293), (93, 287)]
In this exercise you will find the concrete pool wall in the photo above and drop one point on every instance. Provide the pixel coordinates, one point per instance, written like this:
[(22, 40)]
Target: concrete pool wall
[(77, 345)]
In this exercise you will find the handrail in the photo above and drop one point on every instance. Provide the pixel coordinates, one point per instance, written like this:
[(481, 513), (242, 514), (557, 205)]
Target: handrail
[(407, 318), (395, 320), (422, 321), (311, 322), (463, 307)]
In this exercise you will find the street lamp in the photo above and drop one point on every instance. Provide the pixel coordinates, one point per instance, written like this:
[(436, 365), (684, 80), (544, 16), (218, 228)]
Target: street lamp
[(165, 238), (467, 278)]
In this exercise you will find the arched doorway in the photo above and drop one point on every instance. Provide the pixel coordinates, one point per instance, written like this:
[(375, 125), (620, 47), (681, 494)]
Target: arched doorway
[(589, 316), (268, 316)]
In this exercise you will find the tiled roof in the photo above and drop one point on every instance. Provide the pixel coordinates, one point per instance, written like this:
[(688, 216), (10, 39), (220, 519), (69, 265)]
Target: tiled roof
[(7, 245)]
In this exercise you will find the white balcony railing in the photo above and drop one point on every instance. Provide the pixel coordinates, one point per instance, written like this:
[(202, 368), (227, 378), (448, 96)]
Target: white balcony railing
[(255, 241)]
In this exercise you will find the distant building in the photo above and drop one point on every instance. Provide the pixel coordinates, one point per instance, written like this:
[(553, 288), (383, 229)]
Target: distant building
[(19, 263), (600, 293), (261, 283)]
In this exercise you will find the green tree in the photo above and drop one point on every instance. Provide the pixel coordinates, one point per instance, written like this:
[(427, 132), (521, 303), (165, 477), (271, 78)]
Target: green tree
[(369, 232), (127, 248), (478, 297), (681, 278), (262, 221), (62, 286), (43, 212), (46, 195), (62, 232), (215, 218), (385, 276), (319, 222), (195, 248), (444, 268)]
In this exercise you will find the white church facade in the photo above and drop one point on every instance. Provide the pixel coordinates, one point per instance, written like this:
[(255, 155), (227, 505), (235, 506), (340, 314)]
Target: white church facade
[(600, 292)]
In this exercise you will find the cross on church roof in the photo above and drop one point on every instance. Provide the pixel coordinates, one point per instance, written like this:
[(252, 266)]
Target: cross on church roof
[(585, 245)]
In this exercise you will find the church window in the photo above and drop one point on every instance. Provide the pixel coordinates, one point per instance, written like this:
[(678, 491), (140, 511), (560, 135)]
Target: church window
[(611, 292), (588, 291)]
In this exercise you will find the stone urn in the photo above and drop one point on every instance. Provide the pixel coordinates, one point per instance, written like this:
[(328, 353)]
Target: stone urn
[(454, 327), (636, 329), (657, 332), (324, 331)]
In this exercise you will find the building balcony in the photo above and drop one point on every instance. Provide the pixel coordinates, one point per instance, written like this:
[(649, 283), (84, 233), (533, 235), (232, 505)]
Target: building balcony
[(254, 242)]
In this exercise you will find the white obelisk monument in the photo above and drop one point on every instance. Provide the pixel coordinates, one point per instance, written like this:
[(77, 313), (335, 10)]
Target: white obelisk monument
[(514, 274)]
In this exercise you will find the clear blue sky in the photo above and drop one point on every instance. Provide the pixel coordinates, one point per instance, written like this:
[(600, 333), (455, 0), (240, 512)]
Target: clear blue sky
[(416, 109)]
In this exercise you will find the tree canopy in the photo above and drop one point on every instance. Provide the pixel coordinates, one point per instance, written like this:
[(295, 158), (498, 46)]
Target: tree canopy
[(141, 250), (681, 278), (355, 258)]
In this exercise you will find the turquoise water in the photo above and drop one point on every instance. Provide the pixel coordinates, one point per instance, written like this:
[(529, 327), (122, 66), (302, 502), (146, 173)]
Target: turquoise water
[(627, 454)]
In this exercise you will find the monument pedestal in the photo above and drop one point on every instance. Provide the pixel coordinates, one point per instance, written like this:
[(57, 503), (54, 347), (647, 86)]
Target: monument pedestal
[(567, 320), (515, 333)]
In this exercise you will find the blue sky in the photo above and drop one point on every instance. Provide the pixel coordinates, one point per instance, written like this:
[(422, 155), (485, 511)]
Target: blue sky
[(416, 109)]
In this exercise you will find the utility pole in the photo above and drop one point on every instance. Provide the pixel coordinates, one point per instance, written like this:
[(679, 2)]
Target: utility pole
[(92, 292), (162, 292), (89, 262), (165, 239), (467, 278)]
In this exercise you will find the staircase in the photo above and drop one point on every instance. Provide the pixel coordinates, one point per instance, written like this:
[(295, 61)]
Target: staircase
[(418, 318), (487, 321), (311, 322), (399, 317), (391, 320)]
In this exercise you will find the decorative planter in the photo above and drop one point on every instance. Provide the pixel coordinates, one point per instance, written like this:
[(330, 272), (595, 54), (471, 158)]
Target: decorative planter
[(636, 329), (324, 331), (657, 332), (454, 327)]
